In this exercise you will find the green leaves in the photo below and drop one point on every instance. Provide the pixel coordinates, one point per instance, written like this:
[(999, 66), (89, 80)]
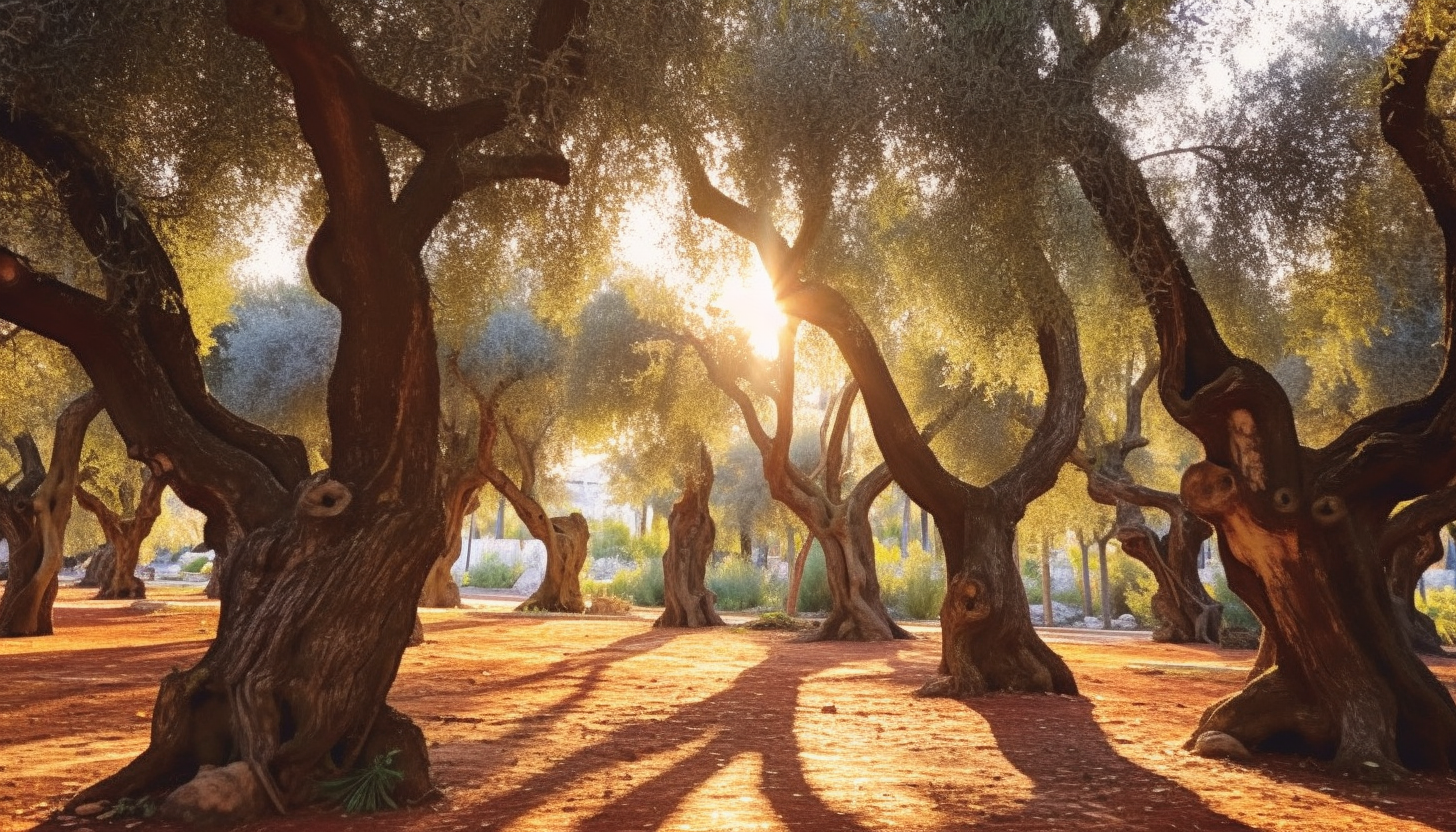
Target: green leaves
[(366, 789)]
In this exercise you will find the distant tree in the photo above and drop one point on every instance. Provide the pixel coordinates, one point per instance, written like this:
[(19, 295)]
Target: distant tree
[(124, 530)]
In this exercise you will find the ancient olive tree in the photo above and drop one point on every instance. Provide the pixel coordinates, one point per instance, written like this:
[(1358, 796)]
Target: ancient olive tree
[(294, 691), (1300, 529), (33, 518), (817, 152), (513, 371), (125, 530), (1181, 603)]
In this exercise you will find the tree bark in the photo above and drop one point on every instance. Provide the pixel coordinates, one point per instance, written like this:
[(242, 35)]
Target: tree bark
[(318, 574), (1085, 546), (125, 533), (987, 641), (566, 551), (1298, 527), (25, 606), (1046, 583), (796, 577), (687, 601)]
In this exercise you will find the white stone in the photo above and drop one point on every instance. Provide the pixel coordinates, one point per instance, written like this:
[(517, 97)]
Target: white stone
[(1220, 746)]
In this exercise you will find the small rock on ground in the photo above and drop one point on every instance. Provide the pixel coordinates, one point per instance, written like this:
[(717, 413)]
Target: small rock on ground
[(1217, 745)]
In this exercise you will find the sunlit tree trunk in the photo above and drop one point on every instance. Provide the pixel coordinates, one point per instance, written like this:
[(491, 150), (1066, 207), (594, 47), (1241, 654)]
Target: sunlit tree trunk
[(1299, 529), (25, 606), (125, 532), (1184, 610), (687, 601), (988, 643), (318, 575)]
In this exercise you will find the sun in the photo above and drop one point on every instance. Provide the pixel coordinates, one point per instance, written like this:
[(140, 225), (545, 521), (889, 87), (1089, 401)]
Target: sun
[(750, 304), (741, 291)]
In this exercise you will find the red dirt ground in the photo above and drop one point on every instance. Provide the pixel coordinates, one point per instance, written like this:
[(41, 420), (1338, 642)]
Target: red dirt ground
[(608, 725)]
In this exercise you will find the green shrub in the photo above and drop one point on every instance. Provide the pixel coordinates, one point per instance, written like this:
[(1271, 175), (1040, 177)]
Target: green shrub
[(1440, 605), (643, 584), (738, 584), (366, 789), (1235, 612), (922, 586), (490, 572), (814, 588), (196, 565), (1139, 599), (610, 539)]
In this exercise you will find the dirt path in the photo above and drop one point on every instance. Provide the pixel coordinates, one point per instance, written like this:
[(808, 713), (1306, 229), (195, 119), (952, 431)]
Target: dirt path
[(608, 725)]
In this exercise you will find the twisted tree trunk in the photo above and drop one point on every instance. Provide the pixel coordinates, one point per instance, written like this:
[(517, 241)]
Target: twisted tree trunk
[(857, 612), (1298, 528), (319, 574), (1181, 604), (987, 641), (25, 606), (125, 532), (687, 601)]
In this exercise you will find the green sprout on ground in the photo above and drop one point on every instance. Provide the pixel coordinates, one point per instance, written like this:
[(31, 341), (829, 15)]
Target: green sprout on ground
[(368, 788)]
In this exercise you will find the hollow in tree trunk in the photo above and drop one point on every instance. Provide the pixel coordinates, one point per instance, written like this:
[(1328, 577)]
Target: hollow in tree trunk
[(125, 532), (686, 599), (30, 591), (1298, 527)]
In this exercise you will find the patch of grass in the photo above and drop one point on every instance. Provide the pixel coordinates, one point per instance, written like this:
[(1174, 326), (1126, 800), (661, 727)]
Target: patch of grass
[(491, 572), (368, 788), (609, 605), (922, 586), (141, 807)]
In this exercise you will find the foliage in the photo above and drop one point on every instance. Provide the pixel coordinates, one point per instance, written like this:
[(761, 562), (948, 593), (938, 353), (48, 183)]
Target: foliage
[(1440, 605), (779, 621), (739, 585), (128, 807), (610, 539), (1139, 599), (814, 587), (1235, 612), (913, 588), (196, 565), (368, 788), (643, 584), (491, 572)]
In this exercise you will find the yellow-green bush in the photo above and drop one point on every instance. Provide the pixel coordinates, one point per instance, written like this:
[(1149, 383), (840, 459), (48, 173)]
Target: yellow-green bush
[(1440, 605)]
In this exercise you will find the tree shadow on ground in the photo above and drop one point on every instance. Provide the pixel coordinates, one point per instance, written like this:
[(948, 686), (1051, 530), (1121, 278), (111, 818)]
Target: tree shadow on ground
[(754, 715)]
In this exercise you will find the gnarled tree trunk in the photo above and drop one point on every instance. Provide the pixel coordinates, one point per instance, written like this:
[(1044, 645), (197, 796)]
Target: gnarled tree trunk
[(857, 612), (987, 641), (25, 606), (566, 550), (1182, 605), (686, 599), (1298, 528), (125, 532), (319, 574)]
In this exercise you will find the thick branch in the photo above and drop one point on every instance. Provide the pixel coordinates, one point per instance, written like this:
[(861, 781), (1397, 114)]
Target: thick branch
[(831, 449)]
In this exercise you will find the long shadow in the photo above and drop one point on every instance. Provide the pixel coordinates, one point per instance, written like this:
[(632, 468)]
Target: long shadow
[(755, 715)]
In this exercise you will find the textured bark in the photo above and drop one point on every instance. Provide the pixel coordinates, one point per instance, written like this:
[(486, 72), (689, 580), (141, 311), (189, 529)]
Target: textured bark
[(125, 532), (988, 643), (566, 550), (1182, 605), (25, 606), (461, 482), (687, 601), (1298, 527), (796, 576), (318, 575)]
